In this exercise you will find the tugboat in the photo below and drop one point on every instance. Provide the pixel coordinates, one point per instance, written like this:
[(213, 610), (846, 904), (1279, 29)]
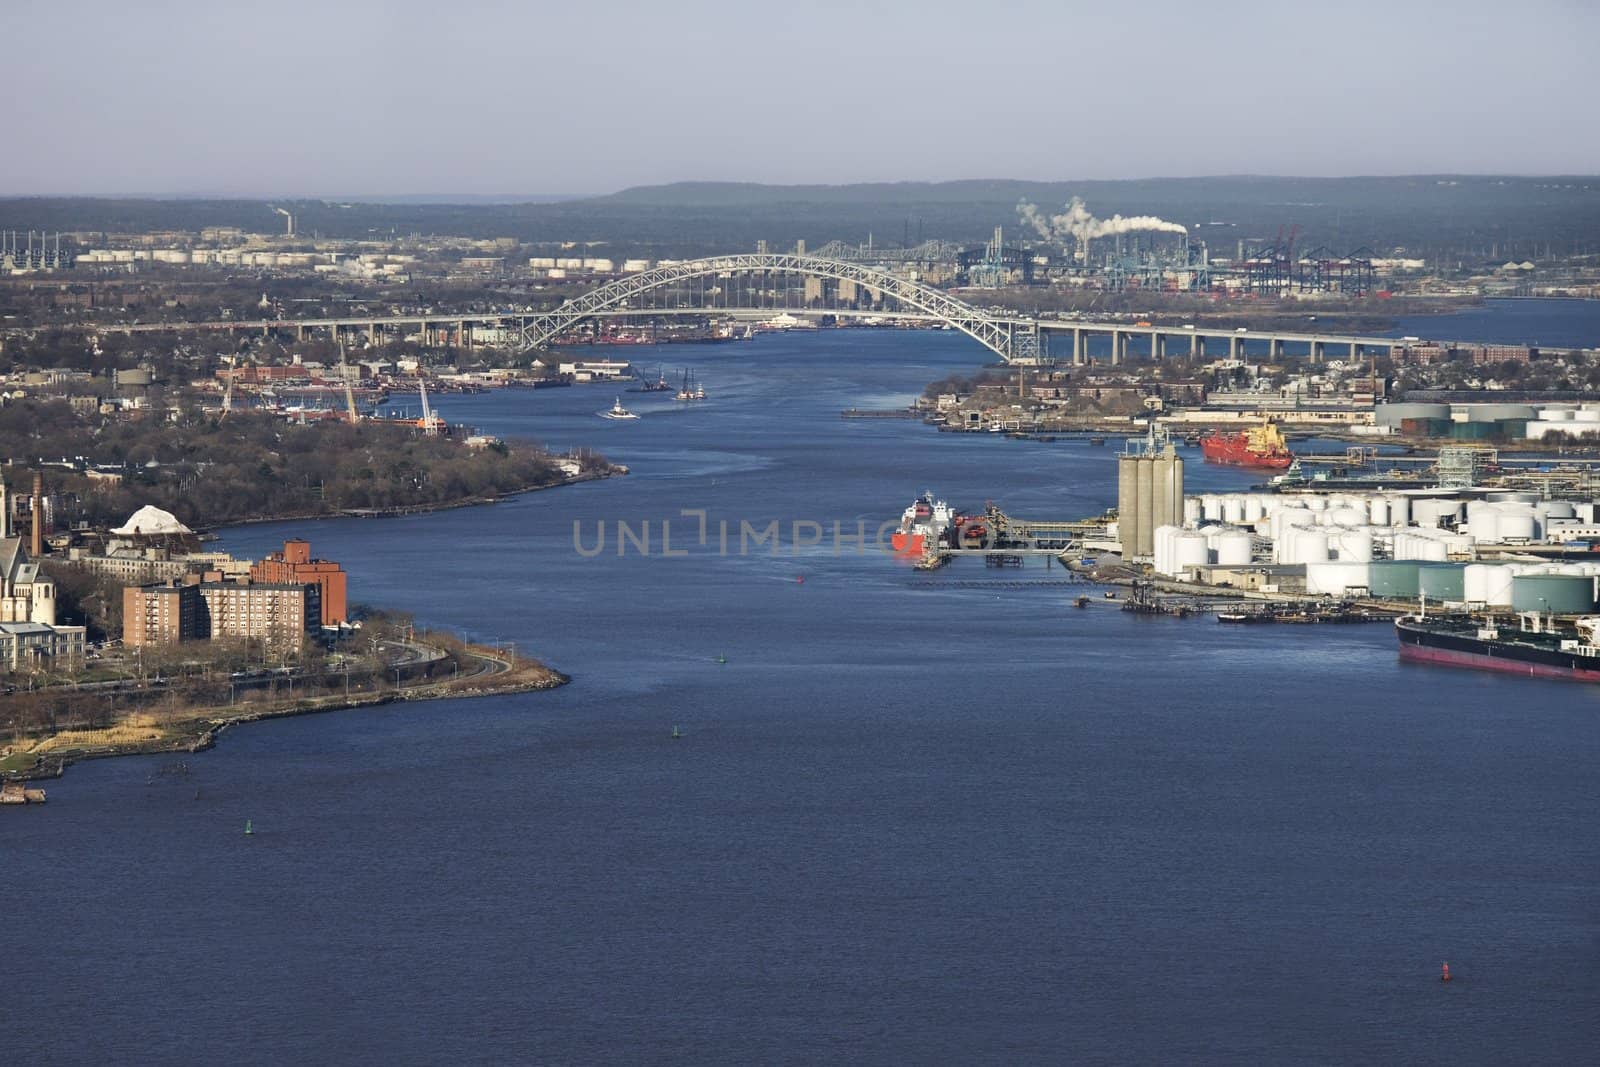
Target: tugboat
[(658, 386), (1259, 446), (617, 411)]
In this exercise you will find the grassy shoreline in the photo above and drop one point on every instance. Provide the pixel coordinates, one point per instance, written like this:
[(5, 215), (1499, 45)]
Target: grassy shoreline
[(197, 729)]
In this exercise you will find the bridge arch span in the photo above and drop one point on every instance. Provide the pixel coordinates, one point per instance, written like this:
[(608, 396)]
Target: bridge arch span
[(1001, 337)]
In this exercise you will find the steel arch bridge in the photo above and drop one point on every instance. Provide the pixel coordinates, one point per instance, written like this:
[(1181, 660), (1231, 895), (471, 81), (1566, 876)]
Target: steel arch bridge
[(1009, 339)]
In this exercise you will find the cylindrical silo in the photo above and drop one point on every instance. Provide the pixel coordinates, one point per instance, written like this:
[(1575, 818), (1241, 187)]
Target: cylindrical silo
[(1190, 549), (1310, 546), (1355, 545), (1393, 579), (1562, 594), (1442, 581), (1233, 548)]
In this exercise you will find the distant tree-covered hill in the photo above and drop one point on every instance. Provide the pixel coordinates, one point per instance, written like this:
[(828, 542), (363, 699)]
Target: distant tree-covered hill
[(1440, 216)]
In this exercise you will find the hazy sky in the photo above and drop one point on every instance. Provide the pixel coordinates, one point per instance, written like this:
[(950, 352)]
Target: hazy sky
[(349, 97)]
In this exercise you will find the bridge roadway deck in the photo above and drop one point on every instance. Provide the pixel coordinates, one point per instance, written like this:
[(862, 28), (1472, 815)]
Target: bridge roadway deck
[(517, 318)]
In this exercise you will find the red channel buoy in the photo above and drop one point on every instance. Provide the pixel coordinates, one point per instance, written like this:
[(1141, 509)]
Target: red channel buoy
[(1445, 974), (800, 579)]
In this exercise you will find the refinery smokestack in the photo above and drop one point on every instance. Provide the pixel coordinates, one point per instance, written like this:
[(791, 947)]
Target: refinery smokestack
[(37, 547)]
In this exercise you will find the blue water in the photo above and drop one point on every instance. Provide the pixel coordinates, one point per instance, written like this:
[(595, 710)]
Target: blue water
[(1554, 324), (913, 818)]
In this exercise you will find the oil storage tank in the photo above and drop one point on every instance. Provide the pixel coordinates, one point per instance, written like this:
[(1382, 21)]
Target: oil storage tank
[(1563, 594), (1394, 579), (1442, 581)]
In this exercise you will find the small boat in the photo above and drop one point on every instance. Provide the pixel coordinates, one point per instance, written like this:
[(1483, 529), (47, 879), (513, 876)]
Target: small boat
[(1238, 617), (617, 412)]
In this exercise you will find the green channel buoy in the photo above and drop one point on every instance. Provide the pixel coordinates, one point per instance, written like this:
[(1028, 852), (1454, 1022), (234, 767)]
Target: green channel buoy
[(676, 734), (247, 828)]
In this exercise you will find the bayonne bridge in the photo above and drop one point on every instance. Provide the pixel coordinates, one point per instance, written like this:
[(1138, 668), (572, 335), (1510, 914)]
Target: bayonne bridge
[(759, 284)]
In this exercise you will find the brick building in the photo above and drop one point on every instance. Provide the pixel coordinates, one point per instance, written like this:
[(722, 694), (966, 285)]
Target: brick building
[(295, 565), (161, 614), (279, 614)]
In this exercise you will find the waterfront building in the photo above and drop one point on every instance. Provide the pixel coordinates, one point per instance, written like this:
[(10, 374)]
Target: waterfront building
[(162, 614), (277, 613), (203, 607), (294, 565)]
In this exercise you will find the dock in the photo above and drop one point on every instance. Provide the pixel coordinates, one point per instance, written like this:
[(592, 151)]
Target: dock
[(16, 793), (881, 413)]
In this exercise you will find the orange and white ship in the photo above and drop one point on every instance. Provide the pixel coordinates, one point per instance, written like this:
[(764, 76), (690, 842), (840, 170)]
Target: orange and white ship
[(925, 525), (1259, 446)]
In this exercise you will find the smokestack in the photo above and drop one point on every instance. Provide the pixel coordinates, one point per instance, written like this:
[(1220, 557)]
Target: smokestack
[(37, 548)]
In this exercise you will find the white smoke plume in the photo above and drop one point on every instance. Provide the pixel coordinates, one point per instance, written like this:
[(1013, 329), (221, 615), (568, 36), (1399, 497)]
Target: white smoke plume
[(1075, 223)]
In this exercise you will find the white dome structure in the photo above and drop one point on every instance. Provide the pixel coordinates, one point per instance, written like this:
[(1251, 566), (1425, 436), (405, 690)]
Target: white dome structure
[(151, 521)]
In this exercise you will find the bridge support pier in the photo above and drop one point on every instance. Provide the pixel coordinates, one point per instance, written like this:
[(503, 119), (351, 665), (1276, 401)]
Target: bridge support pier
[(1079, 358), (1158, 345), (1275, 348), (1319, 351), (1196, 346), (1234, 348), (1355, 351), (372, 334)]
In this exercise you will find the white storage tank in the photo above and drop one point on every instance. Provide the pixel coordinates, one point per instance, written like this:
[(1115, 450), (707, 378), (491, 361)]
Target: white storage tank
[(1233, 509), (1497, 586), (1191, 510), (1399, 510), (1191, 551), (1233, 548), (1335, 579), (1353, 545), (1310, 546), (1515, 526), (1162, 544), (1379, 509)]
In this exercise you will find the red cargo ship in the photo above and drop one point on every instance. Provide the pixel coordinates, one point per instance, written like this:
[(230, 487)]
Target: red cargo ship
[(1259, 446)]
